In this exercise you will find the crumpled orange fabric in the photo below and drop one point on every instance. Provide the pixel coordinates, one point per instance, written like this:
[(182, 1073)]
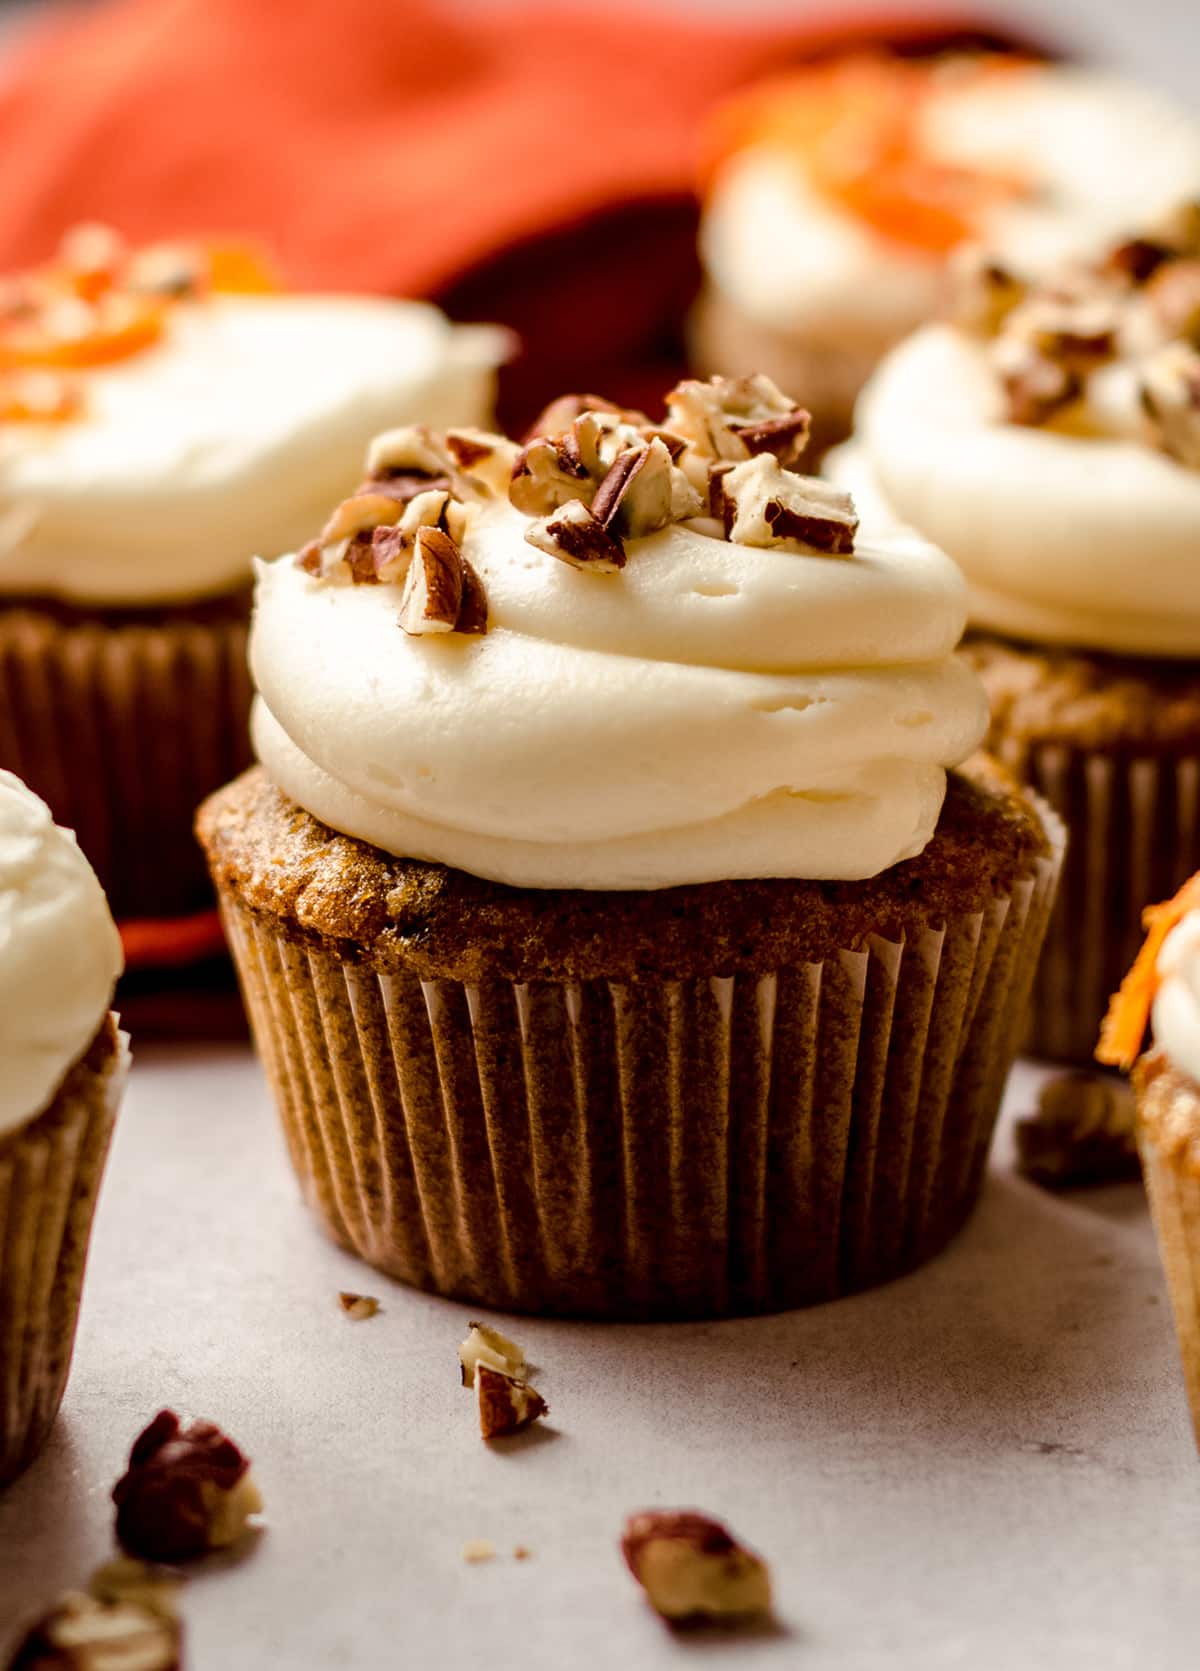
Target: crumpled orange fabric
[(532, 164)]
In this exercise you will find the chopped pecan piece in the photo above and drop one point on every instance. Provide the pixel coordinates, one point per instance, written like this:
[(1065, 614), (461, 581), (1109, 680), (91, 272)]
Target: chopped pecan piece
[(1173, 298), (413, 449), (483, 457), (765, 505), (1082, 1134), (574, 535), (1034, 387), (547, 473), (562, 413), (433, 587), (643, 491), (734, 418), (187, 1490), (485, 1345), (984, 292), (1078, 332), (472, 611), (691, 1567), (506, 1404), (1134, 260), (1170, 396), (361, 510), (358, 1307), (83, 1633)]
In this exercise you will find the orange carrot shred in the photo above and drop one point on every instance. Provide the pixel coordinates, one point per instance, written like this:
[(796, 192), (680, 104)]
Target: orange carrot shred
[(1124, 1027)]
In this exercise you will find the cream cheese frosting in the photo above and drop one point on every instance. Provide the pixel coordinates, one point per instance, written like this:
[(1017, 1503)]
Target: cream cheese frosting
[(1099, 153), (1176, 1011), (1065, 539), (713, 711), (60, 954), (230, 437)]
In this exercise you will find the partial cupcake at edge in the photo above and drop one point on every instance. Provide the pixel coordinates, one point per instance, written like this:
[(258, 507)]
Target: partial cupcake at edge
[(836, 195), (1162, 991), (1048, 439), (165, 412), (63, 1069), (621, 931)]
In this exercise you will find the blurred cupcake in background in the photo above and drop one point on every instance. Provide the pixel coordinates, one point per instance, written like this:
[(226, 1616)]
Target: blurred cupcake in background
[(1163, 988), (837, 193), (62, 1069), (1049, 441), (165, 414), (617, 934)]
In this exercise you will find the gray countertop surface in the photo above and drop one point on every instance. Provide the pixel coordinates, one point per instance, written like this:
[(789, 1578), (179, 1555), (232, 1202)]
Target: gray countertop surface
[(987, 1464)]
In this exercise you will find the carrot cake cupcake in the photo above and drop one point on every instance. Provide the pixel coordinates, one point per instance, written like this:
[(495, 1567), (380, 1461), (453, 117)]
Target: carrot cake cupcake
[(837, 193), (163, 416), (1050, 443), (62, 1069), (1164, 988), (615, 937)]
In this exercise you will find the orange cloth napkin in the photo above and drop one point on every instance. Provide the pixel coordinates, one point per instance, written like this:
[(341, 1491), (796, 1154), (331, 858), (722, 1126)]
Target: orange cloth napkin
[(532, 164)]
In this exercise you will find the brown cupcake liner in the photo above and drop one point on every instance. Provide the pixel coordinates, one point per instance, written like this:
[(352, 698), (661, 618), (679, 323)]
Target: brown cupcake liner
[(123, 728), (648, 1148), (50, 1172), (1175, 1206), (1134, 828)]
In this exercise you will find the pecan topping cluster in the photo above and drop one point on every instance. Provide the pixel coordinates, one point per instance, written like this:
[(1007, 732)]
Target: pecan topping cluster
[(405, 523), (1136, 309), (593, 475), (186, 1491)]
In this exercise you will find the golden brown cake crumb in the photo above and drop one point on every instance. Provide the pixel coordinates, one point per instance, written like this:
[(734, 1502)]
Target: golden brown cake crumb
[(319, 887)]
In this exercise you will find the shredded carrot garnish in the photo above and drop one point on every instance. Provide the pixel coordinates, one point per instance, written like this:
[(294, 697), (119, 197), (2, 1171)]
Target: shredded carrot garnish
[(1124, 1027), (855, 126), (100, 302)]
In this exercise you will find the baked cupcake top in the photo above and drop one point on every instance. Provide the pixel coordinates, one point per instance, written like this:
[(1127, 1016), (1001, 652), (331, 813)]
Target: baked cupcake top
[(1049, 441), (858, 176), (626, 655), (60, 954), (165, 413)]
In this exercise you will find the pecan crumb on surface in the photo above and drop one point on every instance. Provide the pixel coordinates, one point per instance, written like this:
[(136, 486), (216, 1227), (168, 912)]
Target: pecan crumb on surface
[(82, 1633), (358, 1307), (186, 1491), (488, 1346), (506, 1404), (692, 1568), (477, 1550), (520, 1553), (1082, 1135)]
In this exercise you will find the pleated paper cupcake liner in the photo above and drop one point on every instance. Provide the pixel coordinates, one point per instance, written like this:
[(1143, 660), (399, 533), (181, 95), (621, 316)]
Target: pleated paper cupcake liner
[(1134, 828), (648, 1148), (123, 729), (1175, 1206), (50, 1173)]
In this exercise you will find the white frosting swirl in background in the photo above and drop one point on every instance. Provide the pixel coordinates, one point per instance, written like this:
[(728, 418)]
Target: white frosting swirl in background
[(714, 711), (230, 437), (1177, 1001), (60, 954), (1100, 154), (1064, 539)]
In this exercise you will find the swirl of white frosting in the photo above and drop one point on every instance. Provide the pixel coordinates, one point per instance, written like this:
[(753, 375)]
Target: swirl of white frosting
[(1177, 1002), (1065, 539), (230, 437), (714, 711), (1099, 154), (60, 954)]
